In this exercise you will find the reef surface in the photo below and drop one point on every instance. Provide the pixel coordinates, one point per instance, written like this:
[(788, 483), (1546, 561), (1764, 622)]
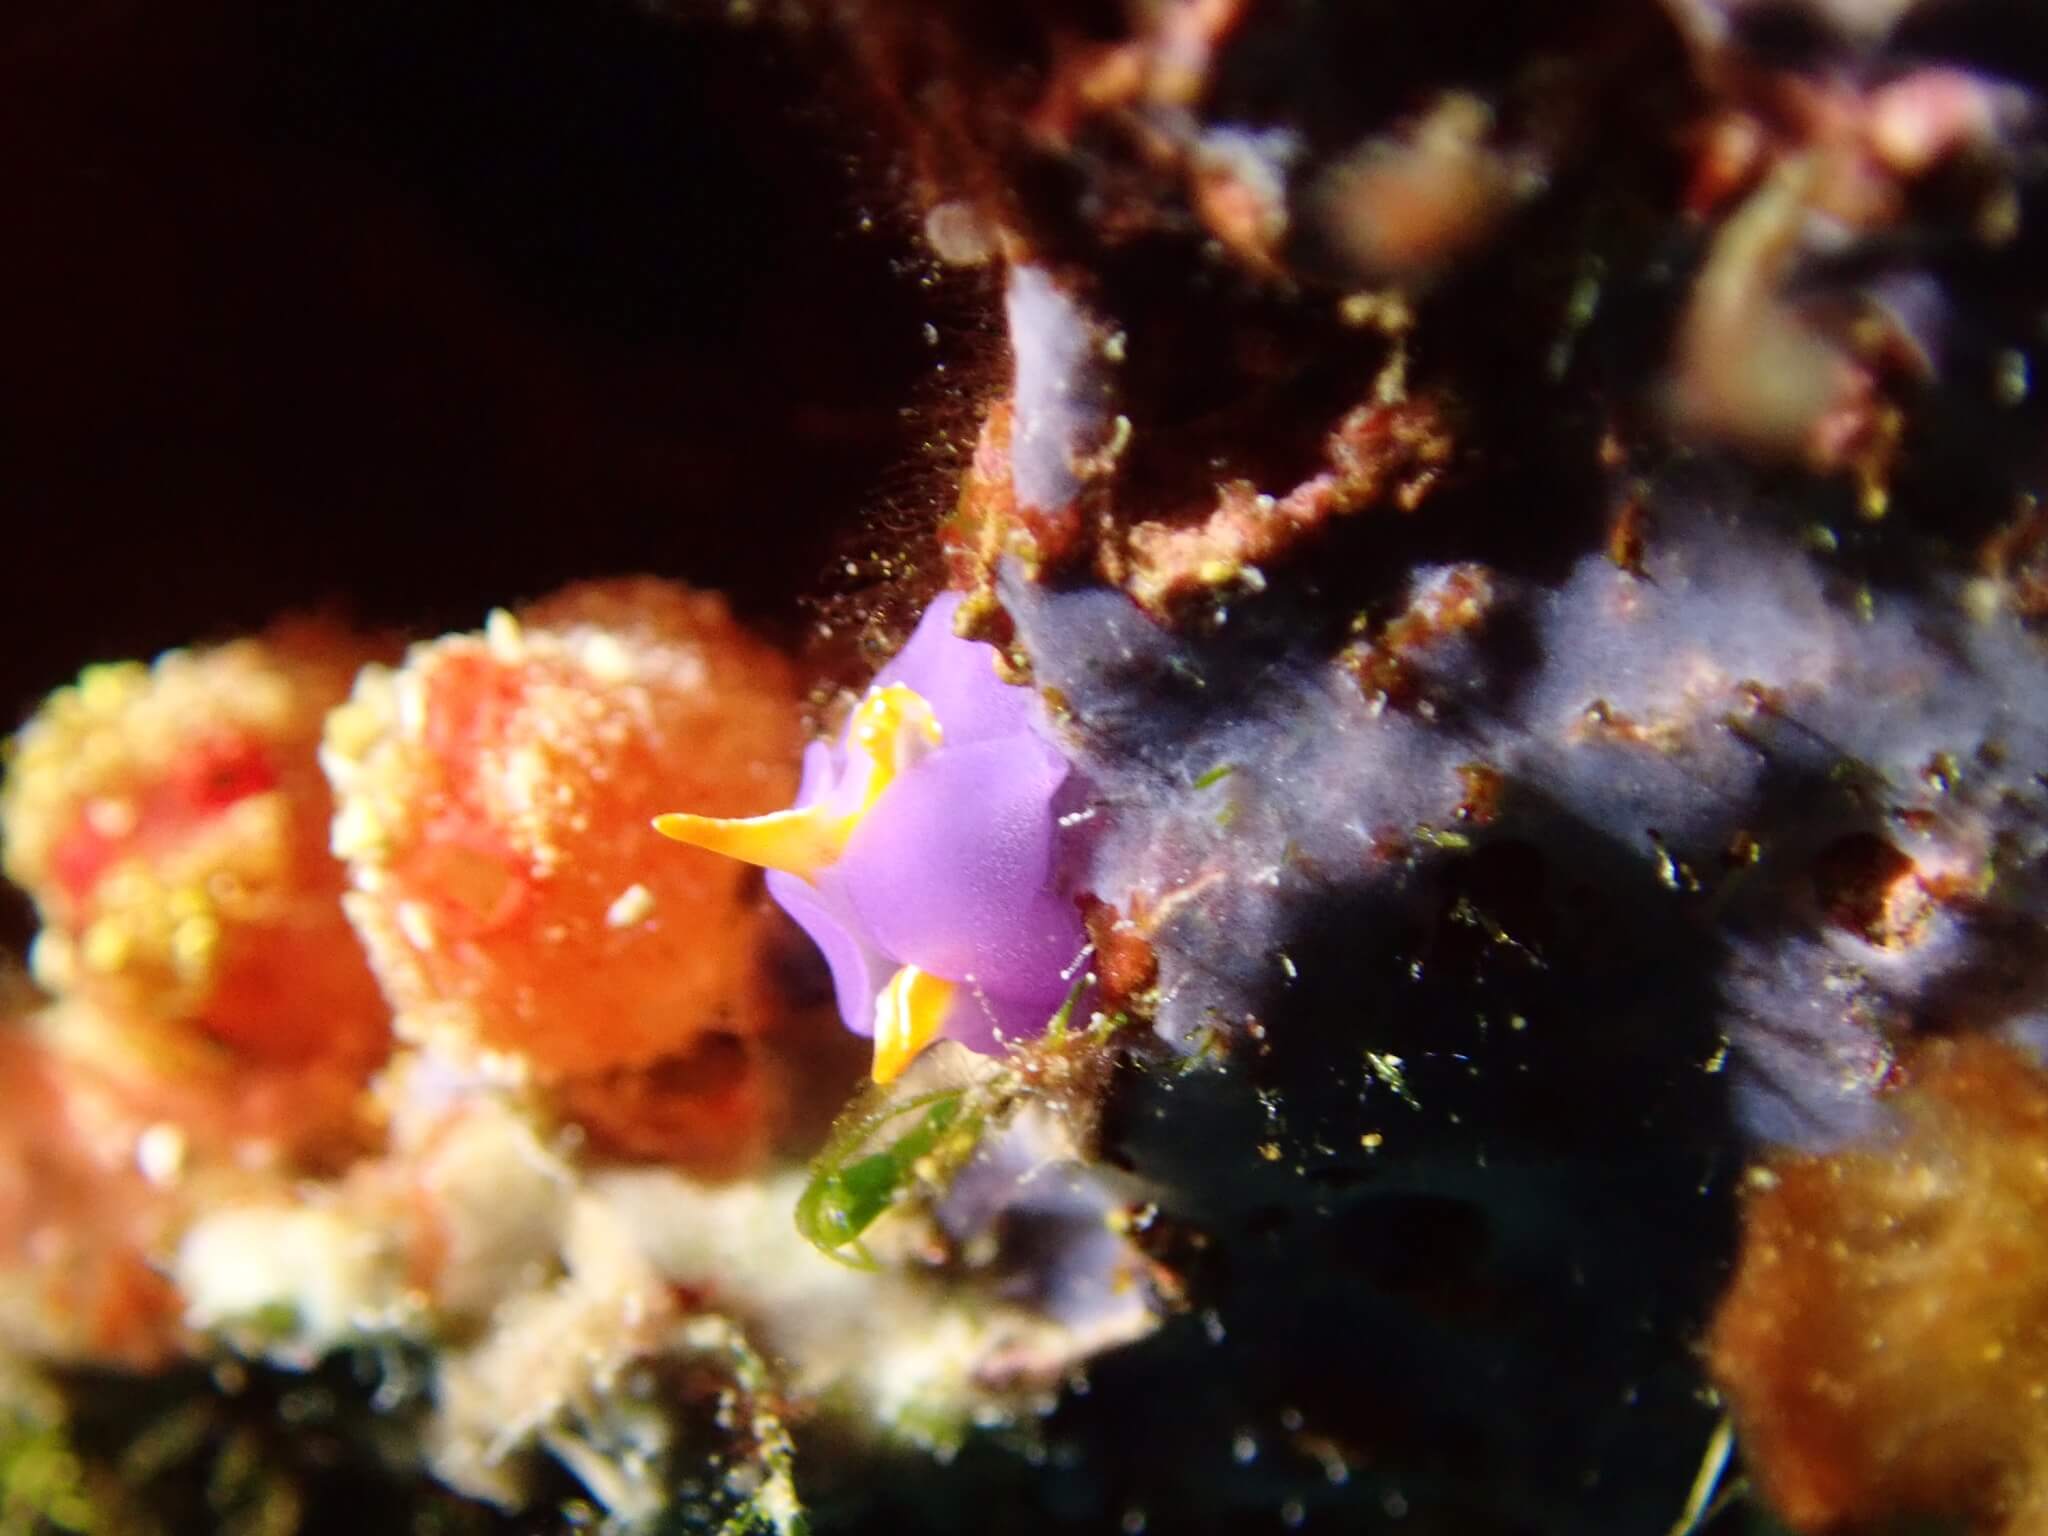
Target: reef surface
[(1436, 808)]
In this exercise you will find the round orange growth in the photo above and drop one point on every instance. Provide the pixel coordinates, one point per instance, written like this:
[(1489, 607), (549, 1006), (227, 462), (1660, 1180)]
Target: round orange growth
[(1884, 1344), (171, 823), (495, 800)]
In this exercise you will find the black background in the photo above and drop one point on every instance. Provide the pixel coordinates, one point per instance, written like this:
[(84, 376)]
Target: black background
[(414, 307)]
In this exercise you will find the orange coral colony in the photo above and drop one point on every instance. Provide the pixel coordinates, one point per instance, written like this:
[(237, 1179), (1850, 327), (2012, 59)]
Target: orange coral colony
[(495, 794), (1884, 1345), (171, 823)]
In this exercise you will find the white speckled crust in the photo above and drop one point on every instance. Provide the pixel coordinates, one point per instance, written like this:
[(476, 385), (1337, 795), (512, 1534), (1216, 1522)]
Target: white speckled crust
[(1642, 727), (1060, 396)]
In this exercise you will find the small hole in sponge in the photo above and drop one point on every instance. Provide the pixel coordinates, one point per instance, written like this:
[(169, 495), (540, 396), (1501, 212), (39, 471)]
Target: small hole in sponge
[(1868, 887)]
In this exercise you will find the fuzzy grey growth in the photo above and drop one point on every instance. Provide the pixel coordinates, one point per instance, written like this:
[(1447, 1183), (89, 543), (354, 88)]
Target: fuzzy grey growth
[(1826, 806), (1060, 390)]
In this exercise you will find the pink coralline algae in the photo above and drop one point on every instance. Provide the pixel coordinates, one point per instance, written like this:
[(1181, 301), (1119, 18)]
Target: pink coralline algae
[(920, 853)]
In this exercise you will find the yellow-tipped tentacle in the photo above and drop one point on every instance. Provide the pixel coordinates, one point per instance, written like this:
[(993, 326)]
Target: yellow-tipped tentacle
[(909, 1014), (799, 842), (891, 729)]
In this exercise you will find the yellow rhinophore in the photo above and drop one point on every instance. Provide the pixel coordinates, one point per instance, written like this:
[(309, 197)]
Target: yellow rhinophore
[(891, 729), (909, 1014)]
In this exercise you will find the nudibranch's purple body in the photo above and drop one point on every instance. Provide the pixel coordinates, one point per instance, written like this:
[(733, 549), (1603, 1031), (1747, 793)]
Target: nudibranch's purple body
[(950, 871), (920, 854)]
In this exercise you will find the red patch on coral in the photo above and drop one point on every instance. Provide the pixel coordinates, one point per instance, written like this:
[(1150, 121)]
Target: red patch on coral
[(214, 773)]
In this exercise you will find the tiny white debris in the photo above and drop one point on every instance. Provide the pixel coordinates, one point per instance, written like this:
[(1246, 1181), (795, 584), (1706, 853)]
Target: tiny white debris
[(330, 1270), (353, 728), (110, 815), (52, 961), (409, 700), (635, 904), (1982, 599), (958, 236), (358, 831), (160, 1154), (504, 636), (417, 924), (605, 659), (503, 1069)]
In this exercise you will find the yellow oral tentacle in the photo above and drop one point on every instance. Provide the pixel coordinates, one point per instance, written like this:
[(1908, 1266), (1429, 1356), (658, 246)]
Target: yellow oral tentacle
[(891, 729), (909, 1013), (799, 842)]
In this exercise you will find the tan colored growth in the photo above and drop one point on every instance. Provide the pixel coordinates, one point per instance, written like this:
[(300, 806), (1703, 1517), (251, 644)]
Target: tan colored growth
[(1884, 1344)]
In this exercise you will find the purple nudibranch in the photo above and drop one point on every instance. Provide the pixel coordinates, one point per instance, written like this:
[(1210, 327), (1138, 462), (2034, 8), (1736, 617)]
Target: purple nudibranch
[(919, 856)]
